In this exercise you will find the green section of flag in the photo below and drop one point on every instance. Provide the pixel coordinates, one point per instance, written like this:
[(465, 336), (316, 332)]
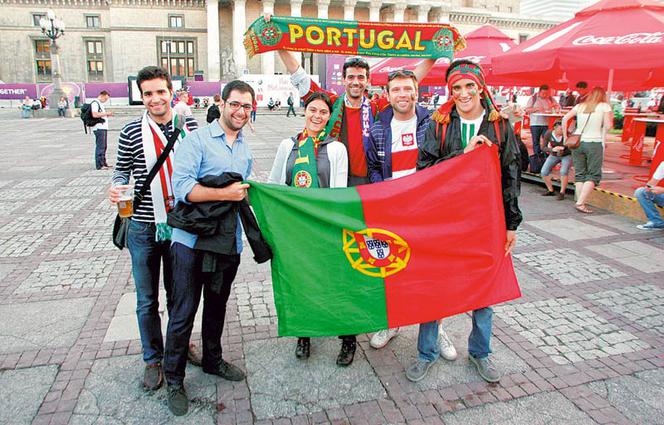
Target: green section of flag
[(316, 290)]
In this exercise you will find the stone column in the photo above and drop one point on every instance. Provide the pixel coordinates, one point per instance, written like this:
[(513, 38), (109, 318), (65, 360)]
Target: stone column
[(296, 12), (399, 10), (374, 10), (423, 13), (267, 59), (296, 8), (213, 56), (239, 27), (349, 10), (444, 17), (323, 9)]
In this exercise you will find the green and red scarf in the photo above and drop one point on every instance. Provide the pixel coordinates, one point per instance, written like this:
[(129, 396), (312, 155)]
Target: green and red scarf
[(393, 39), (161, 189), (305, 169)]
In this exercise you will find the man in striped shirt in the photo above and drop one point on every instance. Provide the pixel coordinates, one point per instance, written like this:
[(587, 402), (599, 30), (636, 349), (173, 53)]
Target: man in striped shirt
[(147, 254)]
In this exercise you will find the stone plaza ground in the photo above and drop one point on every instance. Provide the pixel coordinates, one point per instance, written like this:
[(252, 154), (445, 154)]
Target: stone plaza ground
[(583, 345)]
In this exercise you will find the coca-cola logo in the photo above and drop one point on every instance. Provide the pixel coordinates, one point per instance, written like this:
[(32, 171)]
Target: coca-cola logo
[(634, 38)]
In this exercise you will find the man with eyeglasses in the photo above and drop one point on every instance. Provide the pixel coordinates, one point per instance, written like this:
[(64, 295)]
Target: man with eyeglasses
[(218, 148), (392, 153)]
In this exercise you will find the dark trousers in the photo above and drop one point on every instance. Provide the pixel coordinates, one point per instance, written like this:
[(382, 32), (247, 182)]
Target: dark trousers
[(537, 131), (100, 148), (188, 282), (291, 109)]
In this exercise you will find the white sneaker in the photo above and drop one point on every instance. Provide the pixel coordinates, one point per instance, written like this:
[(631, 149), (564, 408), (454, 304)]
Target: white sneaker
[(381, 338), (447, 350)]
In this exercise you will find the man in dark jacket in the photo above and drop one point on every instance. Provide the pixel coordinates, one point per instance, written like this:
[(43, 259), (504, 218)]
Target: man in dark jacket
[(392, 153), (466, 122)]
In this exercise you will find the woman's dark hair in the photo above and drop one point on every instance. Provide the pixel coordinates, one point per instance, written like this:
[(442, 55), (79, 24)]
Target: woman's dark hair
[(237, 85), (319, 95), (152, 72)]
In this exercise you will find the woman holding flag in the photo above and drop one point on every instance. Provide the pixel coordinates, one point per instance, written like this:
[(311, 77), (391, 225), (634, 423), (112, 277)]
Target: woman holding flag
[(313, 159)]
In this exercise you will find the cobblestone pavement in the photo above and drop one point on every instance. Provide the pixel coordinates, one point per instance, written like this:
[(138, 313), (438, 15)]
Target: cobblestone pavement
[(583, 344)]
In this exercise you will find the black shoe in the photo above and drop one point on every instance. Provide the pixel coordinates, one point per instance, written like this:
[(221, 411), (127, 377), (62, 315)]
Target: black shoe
[(560, 196), (347, 353), (178, 403), (547, 193), (226, 371), (303, 349), (153, 377)]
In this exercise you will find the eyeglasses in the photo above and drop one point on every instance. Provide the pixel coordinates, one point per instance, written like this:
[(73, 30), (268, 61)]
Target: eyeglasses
[(355, 60), (400, 73), (236, 105)]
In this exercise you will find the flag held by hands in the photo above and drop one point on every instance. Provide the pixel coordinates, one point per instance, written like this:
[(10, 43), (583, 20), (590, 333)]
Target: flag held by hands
[(407, 251)]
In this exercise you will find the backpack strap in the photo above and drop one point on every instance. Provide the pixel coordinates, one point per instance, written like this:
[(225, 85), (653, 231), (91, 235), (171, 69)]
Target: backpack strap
[(498, 130), (441, 127)]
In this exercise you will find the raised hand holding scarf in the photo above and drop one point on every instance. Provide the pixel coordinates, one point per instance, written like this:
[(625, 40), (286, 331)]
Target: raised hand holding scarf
[(393, 39)]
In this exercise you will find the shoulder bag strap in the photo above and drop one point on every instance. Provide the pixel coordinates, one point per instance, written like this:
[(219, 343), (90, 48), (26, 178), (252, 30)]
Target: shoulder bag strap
[(160, 161), (587, 121)]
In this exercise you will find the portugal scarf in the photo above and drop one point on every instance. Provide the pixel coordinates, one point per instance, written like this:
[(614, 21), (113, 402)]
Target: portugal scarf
[(161, 188), (305, 170), (406, 40)]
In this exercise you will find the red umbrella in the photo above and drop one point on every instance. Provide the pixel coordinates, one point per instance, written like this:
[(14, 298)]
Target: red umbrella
[(617, 43), (483, 44)]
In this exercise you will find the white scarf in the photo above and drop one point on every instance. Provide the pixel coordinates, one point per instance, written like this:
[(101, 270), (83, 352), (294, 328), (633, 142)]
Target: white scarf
[(161, 187)]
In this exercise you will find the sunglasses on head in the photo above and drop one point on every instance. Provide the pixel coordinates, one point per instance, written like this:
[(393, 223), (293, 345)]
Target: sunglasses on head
[(400, 73)]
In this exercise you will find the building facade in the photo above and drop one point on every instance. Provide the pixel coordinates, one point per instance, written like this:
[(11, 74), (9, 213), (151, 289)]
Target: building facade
[(560, 10), (109, 40)]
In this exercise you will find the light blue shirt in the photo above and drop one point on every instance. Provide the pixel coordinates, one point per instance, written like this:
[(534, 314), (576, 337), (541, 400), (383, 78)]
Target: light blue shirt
[(202, 153)]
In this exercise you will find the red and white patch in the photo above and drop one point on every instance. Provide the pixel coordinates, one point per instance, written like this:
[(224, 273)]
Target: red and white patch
[(407, 139)]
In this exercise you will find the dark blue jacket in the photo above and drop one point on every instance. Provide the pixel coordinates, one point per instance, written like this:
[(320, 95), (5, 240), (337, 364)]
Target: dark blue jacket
[(379, 151)]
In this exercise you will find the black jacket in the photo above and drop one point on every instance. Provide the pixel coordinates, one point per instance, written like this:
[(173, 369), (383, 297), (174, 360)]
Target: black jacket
[(215, 222), (429, 153)]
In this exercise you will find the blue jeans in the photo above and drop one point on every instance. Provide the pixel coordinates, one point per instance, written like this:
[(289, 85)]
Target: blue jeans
[(648, 201), (147, 257), (479, 341), (537, 131), (188, 282), (100, 148), (551, 162)]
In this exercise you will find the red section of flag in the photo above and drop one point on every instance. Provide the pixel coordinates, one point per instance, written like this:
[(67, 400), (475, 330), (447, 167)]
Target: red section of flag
[(404, 160), (451, 216)]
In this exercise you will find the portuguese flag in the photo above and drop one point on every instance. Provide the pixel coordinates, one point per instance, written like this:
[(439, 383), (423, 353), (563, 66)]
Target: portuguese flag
[(420, 248)]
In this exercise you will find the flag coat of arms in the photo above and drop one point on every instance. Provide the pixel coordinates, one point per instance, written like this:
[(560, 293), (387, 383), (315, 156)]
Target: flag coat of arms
[(420, 248)]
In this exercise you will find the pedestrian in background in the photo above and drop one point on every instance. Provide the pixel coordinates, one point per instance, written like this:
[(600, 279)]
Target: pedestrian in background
[(100, 130), (552, 144), (594, 119)]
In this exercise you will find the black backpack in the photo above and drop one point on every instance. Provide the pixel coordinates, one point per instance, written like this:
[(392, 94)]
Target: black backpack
[(87, 118)]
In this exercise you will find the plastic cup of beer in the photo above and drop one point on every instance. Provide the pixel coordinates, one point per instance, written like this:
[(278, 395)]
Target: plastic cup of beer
[(126, 203)]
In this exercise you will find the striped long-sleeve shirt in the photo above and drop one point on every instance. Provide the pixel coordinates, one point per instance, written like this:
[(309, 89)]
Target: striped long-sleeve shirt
[(131, 160)]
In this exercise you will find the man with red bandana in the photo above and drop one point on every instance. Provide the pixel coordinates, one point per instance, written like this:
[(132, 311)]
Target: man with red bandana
[(464, 123)]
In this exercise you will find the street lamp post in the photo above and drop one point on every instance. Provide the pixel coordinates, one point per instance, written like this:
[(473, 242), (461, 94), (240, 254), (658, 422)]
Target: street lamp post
[(54, 28)]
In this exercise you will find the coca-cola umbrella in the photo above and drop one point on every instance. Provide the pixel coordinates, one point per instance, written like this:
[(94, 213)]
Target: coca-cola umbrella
[(482, 45), (617, 44)]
